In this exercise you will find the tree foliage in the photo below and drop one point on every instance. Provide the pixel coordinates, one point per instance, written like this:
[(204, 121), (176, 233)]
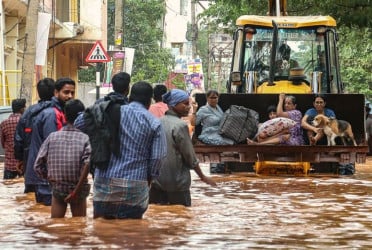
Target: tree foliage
[(347, 12), (143, 31), (355, 59)]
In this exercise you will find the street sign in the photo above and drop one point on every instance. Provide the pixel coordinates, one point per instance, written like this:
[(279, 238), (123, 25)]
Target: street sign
[(97, 54)]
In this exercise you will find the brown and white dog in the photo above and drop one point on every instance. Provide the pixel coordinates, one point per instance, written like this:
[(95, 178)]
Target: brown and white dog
[(333, 128)]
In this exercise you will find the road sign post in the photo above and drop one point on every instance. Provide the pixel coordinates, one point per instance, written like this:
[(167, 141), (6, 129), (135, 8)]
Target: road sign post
[(97, 55), (98, 80)]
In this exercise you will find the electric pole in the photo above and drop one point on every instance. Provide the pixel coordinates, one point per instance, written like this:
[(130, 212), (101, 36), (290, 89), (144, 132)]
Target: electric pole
[(119, 24), (29, 51), (194, 29)]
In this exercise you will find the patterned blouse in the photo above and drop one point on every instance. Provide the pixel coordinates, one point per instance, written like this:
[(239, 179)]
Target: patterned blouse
[(296, 132)]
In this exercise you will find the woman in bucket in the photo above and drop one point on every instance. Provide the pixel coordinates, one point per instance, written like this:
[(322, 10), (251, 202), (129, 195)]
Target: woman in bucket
[(286, 128), (210, 117)]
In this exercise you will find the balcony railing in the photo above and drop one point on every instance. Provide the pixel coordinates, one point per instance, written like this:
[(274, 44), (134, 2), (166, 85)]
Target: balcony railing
[(9, 90)]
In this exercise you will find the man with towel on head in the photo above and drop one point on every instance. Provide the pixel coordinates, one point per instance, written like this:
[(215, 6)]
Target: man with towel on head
[(172, 186)]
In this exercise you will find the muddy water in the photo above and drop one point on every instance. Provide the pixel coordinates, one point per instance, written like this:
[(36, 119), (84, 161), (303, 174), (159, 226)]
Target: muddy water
[(243, 212)]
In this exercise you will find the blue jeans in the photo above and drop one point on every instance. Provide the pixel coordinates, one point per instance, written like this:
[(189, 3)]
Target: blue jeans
[(43, 194)]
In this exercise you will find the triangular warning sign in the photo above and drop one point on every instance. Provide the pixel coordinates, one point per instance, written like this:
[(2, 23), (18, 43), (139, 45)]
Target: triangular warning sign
[(97, 54)]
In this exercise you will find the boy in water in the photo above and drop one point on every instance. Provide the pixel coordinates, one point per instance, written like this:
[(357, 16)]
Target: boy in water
[(63, 159)]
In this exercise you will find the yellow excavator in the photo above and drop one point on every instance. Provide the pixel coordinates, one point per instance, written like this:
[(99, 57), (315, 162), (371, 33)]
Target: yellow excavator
[(295, 55)]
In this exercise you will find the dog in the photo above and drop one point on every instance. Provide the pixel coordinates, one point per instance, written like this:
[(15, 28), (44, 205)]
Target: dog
[(333, 128)]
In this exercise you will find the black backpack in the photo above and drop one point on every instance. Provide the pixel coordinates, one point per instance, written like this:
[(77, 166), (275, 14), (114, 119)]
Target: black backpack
[(102, 122)]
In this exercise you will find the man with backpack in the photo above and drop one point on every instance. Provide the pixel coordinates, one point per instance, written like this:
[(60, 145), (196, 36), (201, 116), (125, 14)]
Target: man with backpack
[(22, 138), (101, 122), (121, 190), (49, 120)]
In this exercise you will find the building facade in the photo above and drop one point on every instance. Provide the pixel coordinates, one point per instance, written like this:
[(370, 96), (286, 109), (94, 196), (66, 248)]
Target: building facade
[(177, 29), (74, 26)]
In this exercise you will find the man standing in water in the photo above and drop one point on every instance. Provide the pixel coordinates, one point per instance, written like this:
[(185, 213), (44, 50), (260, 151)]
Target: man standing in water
[(109, 108), (22, 138), (47, 121), (68, 178), (7, 130), (172, 186), (122, 189)]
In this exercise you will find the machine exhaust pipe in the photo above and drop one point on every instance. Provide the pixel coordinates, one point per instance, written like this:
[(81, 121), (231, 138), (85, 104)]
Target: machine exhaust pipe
[(273, 54)]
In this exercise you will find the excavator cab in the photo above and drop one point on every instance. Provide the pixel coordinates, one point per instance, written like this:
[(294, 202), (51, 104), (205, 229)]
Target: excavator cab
[(285, 54)]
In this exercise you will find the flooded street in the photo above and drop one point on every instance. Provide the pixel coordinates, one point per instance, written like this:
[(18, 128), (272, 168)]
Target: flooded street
[(242, 212)]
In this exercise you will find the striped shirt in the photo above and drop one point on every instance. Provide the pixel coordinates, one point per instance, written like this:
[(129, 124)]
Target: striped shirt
[(8, 128), (65, 152), (142, 144)]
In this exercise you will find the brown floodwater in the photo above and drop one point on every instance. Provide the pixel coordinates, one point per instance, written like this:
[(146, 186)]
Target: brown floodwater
[(242, 212)]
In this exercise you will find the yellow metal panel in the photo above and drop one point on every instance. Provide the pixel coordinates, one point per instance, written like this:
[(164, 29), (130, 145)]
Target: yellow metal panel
[(261, 166), (74, 11), (286, 21), (9, 90), (284, 87)]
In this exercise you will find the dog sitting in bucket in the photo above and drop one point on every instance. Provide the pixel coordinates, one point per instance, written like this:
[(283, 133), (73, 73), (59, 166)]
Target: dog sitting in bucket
[(333, 128)]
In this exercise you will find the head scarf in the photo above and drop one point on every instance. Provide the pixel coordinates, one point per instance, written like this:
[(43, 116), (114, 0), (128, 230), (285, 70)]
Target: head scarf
[(175, 96)]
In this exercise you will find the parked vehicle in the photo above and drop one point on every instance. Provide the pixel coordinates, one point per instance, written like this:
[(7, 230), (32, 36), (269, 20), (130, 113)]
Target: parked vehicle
[(257, 77)]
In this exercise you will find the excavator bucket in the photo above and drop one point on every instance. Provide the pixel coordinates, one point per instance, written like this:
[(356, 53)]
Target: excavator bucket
[(348, 107)]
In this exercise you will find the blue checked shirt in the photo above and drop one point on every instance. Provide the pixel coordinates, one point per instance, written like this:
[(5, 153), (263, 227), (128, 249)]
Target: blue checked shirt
[(79, 122), (142, 143)]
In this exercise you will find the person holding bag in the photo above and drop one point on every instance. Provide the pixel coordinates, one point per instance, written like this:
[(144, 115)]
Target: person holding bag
[(209, 117)]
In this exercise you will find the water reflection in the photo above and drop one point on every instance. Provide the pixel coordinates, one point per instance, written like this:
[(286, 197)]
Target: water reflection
[(243, 212)]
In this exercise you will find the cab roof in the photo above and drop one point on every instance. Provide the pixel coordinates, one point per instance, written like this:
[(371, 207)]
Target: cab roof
[(286, 21)]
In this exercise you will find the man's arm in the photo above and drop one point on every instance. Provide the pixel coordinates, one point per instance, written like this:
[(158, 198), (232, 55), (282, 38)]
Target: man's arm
[(204, 178), (78, 187), (158, 153), (184, 142), (19, 142), (2, 139), (40, 165)]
